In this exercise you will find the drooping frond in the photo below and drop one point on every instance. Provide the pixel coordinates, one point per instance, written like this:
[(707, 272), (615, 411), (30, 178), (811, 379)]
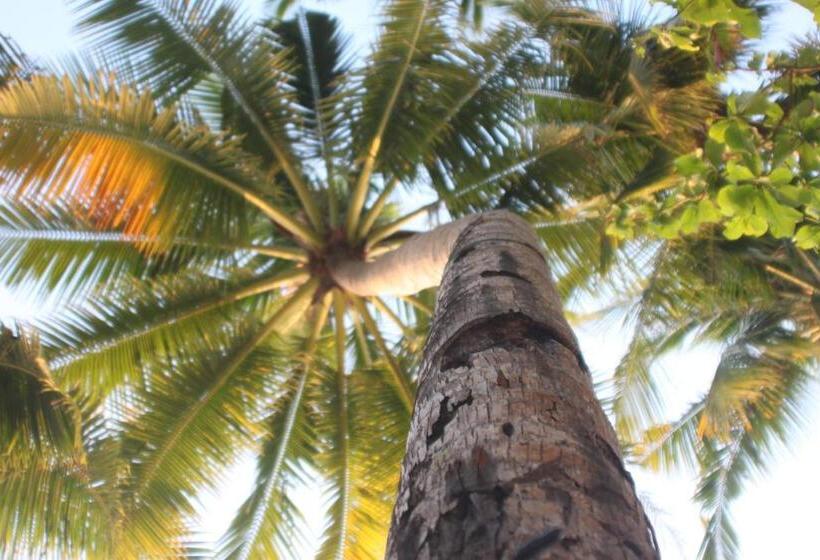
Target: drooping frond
[(363, 473), (263, 528), (723, 292), (319, 53), (60, 470), (113, 157), (36, 416), (65, 508), (119, 336), (361, 440), (729, 460)]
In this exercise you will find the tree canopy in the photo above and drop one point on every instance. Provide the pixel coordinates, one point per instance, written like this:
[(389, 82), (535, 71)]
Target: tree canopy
[(187, 187)]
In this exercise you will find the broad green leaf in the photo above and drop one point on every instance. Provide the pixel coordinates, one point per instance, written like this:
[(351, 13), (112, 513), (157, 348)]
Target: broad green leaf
[(691, 164), (795, 196), (807, 237), (718, 129), (714, 150), (739, 136), (708, 212), (690, 219), (781, 219), (737, 173), (713, 12), (781, 176), (751, 225), (736, 200)]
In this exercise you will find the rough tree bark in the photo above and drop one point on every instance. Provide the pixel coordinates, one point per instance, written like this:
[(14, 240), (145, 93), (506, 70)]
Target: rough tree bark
[(509, 453)]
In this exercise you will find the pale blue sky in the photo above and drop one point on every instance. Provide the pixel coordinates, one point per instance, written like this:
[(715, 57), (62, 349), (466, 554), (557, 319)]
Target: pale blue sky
[(777, 515)]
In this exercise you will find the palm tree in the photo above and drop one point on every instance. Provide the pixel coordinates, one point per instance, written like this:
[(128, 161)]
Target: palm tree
[(757, 300), (218, 205)]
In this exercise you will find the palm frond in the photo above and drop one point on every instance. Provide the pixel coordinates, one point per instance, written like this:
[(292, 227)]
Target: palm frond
[(362, 412), (13, 62), (121, 335), (61, 469), (201, 414), (729, 460), (50, 251), (183, 44), (262, 527), (412, 32), (36, 415), (61, 508), (78, 141), (319, 50), (755, 398)]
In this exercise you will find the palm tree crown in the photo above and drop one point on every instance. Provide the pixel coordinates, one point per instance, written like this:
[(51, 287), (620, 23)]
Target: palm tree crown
[(195, 183)]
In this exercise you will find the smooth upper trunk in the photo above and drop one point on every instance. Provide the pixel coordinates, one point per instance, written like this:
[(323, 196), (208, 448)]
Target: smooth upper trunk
[(417, 264)]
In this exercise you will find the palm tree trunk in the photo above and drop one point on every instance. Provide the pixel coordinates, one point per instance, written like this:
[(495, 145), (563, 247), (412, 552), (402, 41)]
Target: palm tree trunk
[(510, 454), (417, 264)]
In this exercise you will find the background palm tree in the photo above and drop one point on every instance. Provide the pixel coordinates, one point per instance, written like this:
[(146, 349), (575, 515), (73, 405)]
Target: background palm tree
[(264, 160)]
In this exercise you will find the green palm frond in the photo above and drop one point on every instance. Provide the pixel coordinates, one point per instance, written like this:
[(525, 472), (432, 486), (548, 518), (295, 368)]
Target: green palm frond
[(362, 475), (119, 336), (727, 462), (50, 250), (36, 415), (618, 112), (104, 130), (199, 415), (412, 35), (767, 330), (62, 507), (263, 527), (60, 466), (321, 62), (361, 427), (181, 43), (637, 402), (184, 45), (399, 376)]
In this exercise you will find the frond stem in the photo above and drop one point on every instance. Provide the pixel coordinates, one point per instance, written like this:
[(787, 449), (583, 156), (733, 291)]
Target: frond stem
[(284, 437), (805, 286), (403, 388), (281, 321), (279, 217), (360, 191), (376, 210)]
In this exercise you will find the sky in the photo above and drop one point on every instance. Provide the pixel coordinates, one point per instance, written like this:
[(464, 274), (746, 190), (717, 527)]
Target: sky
[(777, 513)]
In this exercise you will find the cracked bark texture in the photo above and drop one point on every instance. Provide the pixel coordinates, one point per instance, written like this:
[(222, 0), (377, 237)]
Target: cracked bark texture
[(509, 453)]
